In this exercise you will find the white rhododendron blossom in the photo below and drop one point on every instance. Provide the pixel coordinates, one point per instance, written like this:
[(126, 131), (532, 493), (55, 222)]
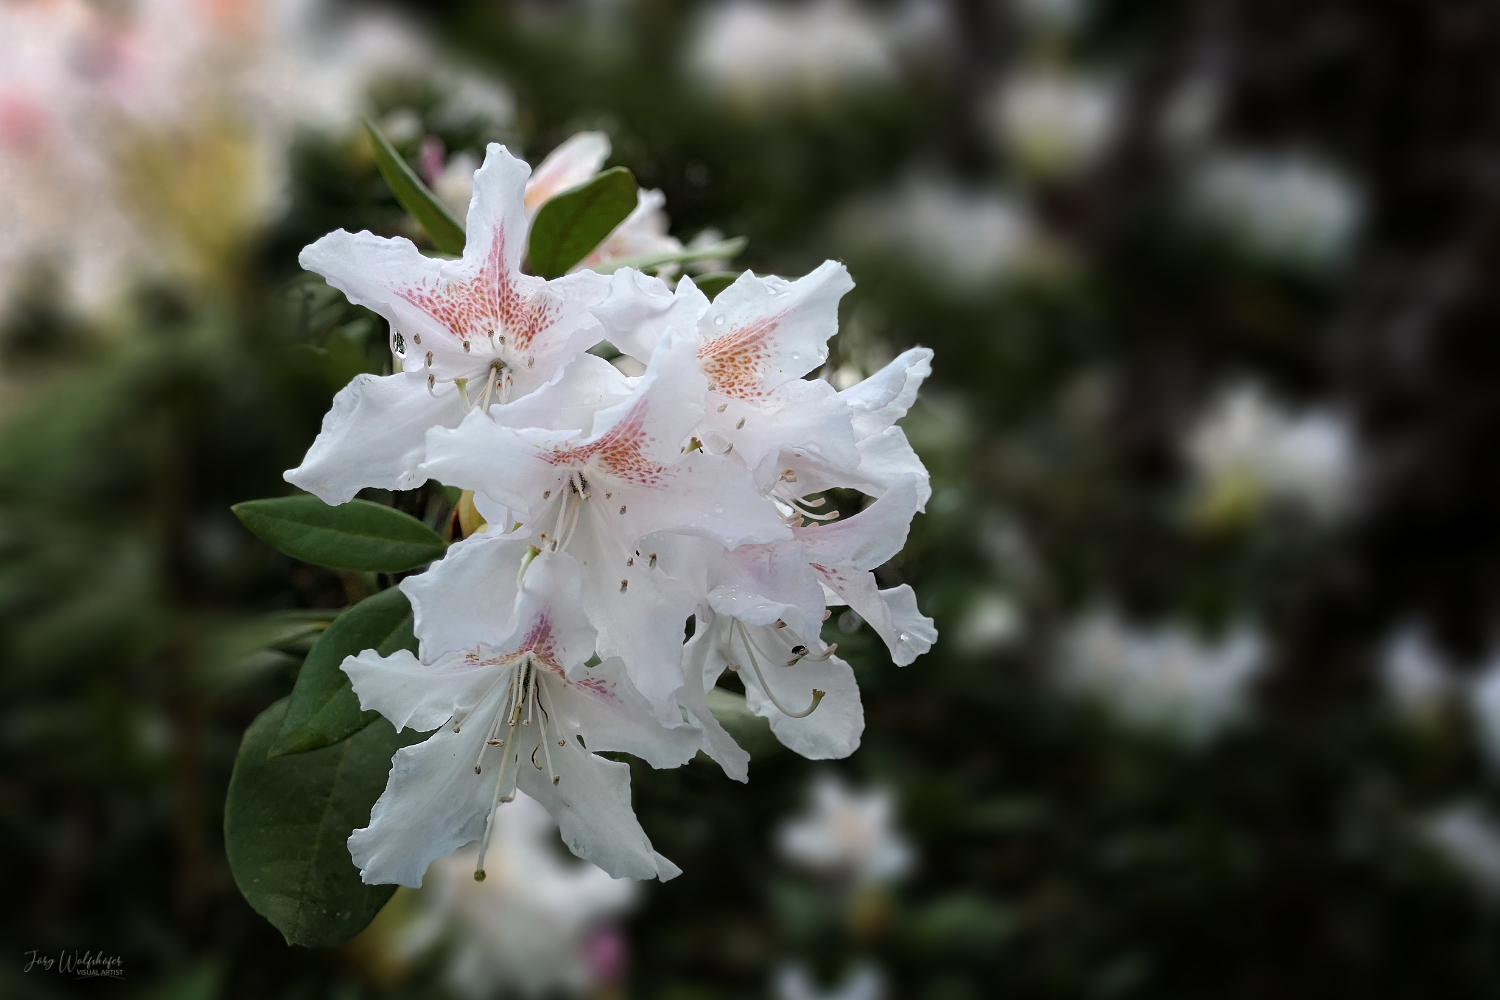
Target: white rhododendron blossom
[(537, 922), (638, 535), (467, 331), (847, 833), (1056, 124), (1467, 836), (1286, 207), (1246, 451), (1165, 678), (91, 94)]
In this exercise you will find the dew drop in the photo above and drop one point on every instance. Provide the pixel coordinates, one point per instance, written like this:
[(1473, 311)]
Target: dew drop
[(718, 321)]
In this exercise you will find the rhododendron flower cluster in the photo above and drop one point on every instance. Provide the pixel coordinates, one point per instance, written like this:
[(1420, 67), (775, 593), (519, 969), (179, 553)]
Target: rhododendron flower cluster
[(621, 514)]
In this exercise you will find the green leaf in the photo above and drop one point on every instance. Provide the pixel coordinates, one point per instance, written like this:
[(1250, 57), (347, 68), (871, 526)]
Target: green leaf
[(446, 232), (358, 535), (286, 822), (717, 251), (714, 282), (323, 708), (573, 223)]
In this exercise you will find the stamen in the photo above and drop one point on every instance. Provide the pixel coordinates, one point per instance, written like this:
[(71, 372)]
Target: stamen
[(723, 407), (531, 553), (740, 424), (623, 585), (622, 508), (416, 338), (817, 696), (489, 820), (653, 561)]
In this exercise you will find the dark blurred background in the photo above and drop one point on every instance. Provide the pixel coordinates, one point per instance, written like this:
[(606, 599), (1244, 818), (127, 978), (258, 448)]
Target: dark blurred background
[(1213, 288)]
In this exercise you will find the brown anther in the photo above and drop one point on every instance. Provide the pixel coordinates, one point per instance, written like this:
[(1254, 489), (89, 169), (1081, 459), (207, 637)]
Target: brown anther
[(780, 623), (723, 407), (623, 585), (630, 561), (653, 560), (740, 424), (476, 768), (530, 361), (466, 347), (622, 508), (493, 743), (546, 494), (429, 359), (416, 338), (607, 494), (431, 380)]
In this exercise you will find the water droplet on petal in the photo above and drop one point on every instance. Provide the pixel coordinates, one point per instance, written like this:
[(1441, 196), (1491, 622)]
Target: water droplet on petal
[(718, 321)]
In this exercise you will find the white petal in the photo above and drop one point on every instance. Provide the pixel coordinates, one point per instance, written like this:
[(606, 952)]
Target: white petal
[(569, 401), (373, 271), (641, 309), (702, 495), (893, 613), (432, 805), (763, 332), (374, 435), (717, 742), (869, 538), (641, 612), (883, 460), (467, 598), (804, 414), (414, 695), (591, 803), (780, 572), (915, 633), (614, 716), (504, 463), (550, 615), (577, 160), (883, 398), (833, 729)]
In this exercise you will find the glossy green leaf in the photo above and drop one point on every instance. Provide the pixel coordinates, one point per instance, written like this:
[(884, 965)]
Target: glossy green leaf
[(714, 282), (286, 823), (726, 250), (358, 535), (446, 232), (573, 223), (323, 708)]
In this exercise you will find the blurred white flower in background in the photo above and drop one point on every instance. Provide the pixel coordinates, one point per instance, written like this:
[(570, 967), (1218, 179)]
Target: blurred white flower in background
[(154, 134), (1484, 702), (1051, 15), (756, 52), (1190, 113), (1467, 836), (967, 238), (991, 622), (537, 924), (1164, 678), (1246, 451), (864, 982), (1054, 124), (847, 833), (1415, 675), (1283, 208)]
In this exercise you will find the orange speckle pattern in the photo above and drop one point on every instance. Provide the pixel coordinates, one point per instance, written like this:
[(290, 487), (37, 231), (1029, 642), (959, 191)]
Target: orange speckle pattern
[(620, 452), (734, 362), (470, 309)]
